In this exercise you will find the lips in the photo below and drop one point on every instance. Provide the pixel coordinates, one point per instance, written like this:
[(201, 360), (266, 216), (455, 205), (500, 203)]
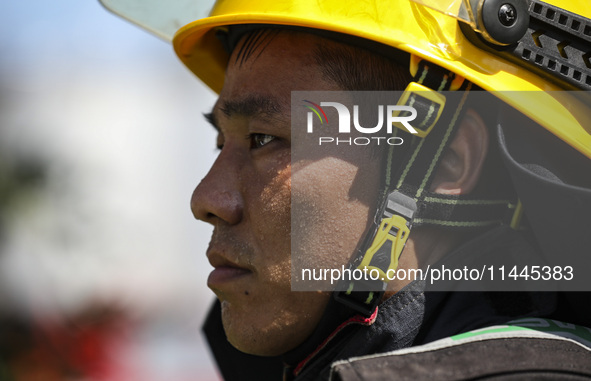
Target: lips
[(225, 274), (224, 271)]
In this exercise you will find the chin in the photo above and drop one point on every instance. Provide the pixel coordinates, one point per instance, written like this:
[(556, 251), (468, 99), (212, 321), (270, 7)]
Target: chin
[(267, 349), (268, 334)]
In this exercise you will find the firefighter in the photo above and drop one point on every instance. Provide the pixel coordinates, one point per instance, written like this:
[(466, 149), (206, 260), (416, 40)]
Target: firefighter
[(489, 177)]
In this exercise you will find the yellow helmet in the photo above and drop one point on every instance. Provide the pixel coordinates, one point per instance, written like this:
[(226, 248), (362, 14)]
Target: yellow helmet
[(528, 53), (531, 76)]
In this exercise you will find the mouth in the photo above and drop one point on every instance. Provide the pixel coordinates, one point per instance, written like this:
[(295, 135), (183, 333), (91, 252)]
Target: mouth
[(224, 271), (226, 274)]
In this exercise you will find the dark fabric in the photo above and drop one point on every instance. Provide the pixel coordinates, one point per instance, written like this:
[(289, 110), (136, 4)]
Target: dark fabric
[(554, 184), (499, 359), (335, 314), (396, 326)]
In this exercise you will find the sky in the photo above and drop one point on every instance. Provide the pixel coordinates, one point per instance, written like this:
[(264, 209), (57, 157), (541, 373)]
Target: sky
[(115, 120)]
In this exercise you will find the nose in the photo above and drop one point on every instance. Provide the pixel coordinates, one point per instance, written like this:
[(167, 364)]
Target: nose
[(218, 195)]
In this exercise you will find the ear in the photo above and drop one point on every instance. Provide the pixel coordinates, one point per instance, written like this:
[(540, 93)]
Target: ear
[(461, 165)]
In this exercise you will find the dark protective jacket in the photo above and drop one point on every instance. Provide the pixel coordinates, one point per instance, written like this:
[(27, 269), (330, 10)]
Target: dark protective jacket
[(345, 346)]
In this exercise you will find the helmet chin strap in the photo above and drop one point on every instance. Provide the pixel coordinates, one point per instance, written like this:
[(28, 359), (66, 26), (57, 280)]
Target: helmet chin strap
[(408, 201)]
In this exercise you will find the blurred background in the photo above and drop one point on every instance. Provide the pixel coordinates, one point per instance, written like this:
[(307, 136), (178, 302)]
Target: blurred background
[(102, 140)]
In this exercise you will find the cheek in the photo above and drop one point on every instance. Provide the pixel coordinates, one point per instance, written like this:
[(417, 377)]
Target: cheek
[(275, 201), (271, 221), (332, 201)]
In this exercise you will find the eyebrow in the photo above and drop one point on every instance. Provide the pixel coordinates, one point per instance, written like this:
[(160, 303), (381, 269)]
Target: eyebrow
[(251, 106)]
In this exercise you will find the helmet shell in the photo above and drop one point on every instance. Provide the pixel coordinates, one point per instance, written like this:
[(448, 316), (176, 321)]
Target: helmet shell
[(411, 27)]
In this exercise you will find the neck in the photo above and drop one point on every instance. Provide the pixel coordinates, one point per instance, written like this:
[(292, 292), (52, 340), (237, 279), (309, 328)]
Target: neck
[(425, 246)]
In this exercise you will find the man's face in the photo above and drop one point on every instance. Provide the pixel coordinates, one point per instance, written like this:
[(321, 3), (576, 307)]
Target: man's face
[(247, 197)]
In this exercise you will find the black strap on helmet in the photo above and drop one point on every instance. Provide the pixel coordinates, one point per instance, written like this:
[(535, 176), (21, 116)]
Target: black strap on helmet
[(408, 202)]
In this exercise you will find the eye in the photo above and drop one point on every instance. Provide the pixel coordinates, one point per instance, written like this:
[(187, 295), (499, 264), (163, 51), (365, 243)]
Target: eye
[(259, 140)]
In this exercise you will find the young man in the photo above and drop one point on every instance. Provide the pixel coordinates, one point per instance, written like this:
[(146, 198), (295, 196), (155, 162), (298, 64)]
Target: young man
[(448, 197)]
